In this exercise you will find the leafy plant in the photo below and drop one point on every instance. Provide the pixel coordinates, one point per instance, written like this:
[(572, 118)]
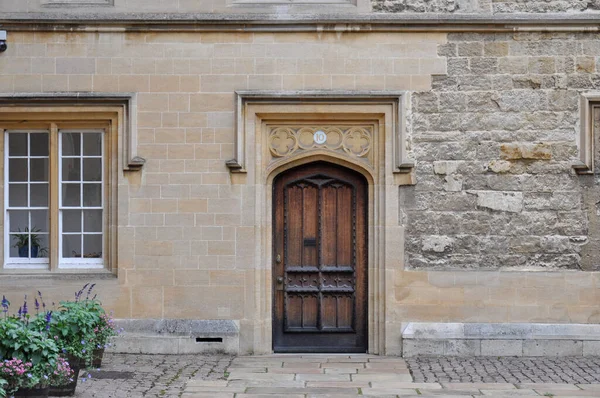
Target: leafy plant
[(3, 387), (24, 238), (105, 330), (62, 374), (28, 355), (74, 325)]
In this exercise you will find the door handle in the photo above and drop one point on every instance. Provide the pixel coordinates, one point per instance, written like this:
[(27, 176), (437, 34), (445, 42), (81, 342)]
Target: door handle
[(278, 259), (279, 286)]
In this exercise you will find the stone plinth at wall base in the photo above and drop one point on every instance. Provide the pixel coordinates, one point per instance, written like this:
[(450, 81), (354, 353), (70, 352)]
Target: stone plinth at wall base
[(500, 339), (176, 336)]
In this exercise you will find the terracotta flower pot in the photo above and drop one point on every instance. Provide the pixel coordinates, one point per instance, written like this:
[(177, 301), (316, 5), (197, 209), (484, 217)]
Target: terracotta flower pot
[(32, 392), (97, 357)]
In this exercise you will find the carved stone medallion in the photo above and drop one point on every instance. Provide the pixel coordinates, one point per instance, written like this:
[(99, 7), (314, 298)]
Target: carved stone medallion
[(354, 141)]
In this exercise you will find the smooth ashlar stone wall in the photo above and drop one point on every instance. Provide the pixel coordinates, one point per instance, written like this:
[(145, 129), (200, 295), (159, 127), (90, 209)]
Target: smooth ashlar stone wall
[(495, 339)]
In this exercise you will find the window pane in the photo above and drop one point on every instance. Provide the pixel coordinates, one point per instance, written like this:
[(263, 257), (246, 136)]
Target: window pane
[(17, 195), (92, 144), (71, 246), (19, 245), (39, 245), (71, 195), (17, 144), (39, 220), (39, 144), (19, 220), (92, 169), (71, 221), (71, 169), (17, 170), (39, 169), (39, 195), (92, 220), (92, 195), (92, 246), (71, 144)]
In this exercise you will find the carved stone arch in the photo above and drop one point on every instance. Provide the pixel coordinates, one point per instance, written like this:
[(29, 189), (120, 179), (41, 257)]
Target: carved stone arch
[(299, 160), (385, 167)]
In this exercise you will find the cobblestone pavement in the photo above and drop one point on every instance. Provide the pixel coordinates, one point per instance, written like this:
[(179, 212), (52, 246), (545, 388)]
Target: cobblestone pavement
[(130, 376), (570, 370), (338, 376), (341, 376)]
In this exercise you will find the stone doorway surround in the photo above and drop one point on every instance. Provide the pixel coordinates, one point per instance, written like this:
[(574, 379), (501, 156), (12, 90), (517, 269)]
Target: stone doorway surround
[(383, 162)]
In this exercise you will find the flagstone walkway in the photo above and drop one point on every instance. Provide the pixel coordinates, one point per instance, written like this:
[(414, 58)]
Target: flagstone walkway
[(333, 376)]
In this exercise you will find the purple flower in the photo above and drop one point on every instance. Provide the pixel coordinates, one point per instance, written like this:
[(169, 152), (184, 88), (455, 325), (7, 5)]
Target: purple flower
[(90, 290), (20, 312), (5, 304), (48, 318), (25, 306), (37, 304)]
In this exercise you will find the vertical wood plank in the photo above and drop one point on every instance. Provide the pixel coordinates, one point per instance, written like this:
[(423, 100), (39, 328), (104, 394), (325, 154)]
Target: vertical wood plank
[(344, 215), (294, 226), (309, 219), (328, 225)]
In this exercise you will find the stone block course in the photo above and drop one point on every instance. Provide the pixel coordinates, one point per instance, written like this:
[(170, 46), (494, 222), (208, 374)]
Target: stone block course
[(518, 94)]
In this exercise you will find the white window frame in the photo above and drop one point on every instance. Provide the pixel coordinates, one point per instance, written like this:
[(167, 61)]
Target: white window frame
[(17, 262), (80, 262)]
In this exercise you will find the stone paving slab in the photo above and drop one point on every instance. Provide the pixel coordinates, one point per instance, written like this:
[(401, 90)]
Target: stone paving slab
[(167, 376), (198, 376)]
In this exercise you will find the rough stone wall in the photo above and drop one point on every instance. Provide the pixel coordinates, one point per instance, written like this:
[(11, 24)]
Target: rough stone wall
[(529, 6), (493, 142), (485, 6), (438, 6)]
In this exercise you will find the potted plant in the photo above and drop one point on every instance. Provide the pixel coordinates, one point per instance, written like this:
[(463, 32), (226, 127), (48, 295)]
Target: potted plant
[(28, 355), (22, 380), (63, 379), (72, 327), (24, 239), (105, 331)]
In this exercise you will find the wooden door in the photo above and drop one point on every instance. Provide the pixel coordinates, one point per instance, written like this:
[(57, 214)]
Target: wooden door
[(320, 260)]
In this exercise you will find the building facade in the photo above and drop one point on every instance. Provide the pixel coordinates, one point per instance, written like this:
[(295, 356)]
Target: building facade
[(386, 176)]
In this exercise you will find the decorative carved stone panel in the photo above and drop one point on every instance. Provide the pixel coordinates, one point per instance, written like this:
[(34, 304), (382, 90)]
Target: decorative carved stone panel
[(353, 141)]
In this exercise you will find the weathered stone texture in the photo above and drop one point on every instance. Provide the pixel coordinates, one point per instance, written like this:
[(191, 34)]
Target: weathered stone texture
[(545, 6), (494, 141), (438, 6), (486, 6)]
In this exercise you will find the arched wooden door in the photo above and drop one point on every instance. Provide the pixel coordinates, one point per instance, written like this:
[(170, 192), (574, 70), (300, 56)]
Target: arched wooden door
[(320, 260)]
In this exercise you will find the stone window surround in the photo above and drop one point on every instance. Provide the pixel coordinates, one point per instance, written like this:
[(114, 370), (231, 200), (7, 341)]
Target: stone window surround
[(363, 5), (585, 141), (116, 112), (291, 2), (387, 112), (125, 104), (77, 3)]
